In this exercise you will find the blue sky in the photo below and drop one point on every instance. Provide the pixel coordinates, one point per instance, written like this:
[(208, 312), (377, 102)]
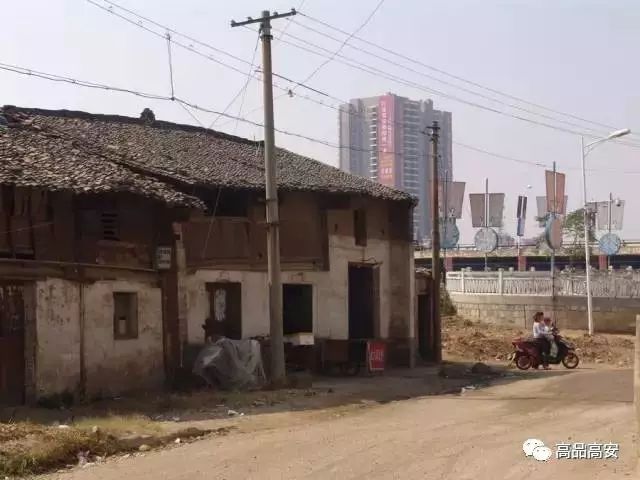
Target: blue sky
[(576, 56)]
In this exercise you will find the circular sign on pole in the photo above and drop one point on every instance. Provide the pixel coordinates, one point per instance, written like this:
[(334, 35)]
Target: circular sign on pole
[(486, 240), (610, 244), (449, 234), (553, 233)]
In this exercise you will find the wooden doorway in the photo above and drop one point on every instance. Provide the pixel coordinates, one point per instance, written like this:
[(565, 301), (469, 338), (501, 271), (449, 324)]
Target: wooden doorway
[(225, 313), (12, 350), (364, 301), (297, 308)]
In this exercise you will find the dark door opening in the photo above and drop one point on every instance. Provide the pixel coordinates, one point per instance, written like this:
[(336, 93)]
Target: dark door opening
[(363, 301), (12, 352), (297, 308), (425, 328), (225, 318)]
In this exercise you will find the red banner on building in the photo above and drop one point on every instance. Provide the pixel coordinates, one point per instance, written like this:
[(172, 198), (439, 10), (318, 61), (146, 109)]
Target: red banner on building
[(376, 355), (386, 140)]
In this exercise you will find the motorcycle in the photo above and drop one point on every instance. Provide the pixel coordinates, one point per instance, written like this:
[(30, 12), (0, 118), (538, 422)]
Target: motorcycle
[(527, 353)]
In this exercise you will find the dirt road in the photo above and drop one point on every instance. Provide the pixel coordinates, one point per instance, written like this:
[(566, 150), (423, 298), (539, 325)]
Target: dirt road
[(477, 435)]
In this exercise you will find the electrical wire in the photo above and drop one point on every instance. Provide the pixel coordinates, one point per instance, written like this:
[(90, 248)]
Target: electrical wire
[(161, 26), (194, 106), (374, 72), (191, 48), (94, 85), (243, 89), (432, 77), (246, 84), (450, 75), (288, 24), (344, 43), (170, 64), (497, 155), (358, 65), (383, 74)]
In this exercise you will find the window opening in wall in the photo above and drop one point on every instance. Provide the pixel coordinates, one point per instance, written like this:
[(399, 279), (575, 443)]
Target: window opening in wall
[(109, 223), (297, 308), (125, 315), (360, 226)]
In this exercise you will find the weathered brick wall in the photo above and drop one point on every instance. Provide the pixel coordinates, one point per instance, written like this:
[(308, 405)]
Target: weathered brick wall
[(610, 315)]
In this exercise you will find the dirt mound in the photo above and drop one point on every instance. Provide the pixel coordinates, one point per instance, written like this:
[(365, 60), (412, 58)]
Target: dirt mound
[(463, 339)]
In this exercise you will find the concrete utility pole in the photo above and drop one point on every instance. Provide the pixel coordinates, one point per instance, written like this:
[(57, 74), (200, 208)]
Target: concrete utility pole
[(435, 241), (278, 373)]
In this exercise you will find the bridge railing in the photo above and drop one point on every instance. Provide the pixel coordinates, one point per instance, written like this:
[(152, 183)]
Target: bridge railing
[(616, 284)]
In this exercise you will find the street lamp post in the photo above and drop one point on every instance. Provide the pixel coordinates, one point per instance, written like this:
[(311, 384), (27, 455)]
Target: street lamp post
[(586, 149)]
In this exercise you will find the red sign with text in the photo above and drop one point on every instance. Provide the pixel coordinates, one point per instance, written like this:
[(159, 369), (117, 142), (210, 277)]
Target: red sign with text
[(376, 355), (386, 140)]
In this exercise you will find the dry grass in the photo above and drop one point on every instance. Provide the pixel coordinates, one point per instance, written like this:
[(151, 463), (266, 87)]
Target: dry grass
[(30, 449), (119, 425), (27, 448)]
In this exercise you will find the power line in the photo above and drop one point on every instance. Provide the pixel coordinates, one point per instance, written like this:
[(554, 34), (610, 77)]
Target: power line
[(342, 45), (184, 104), (383, 74), (243, 89), (358, 65), (170, 64), (209, 57), (246, 84), (161, 26), (456, 77), (431, 77), (191, 48), (498, 155), (100, 86), (284, 30)]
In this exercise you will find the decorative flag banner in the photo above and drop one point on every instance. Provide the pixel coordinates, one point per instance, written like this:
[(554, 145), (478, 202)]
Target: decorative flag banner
[(521, 214), (555, 183), (453, 199), (617, 213), (478, 210)]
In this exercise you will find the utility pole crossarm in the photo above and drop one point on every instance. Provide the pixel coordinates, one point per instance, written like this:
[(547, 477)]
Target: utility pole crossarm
[(275, 16)]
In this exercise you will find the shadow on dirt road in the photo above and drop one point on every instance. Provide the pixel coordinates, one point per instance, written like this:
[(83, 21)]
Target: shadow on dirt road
[(450, 378)]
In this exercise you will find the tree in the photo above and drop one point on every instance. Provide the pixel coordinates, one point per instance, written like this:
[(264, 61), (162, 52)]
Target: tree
[(574, 234)]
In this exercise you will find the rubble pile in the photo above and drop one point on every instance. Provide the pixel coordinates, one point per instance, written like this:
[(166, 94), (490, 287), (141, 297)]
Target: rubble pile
[(463, 339)]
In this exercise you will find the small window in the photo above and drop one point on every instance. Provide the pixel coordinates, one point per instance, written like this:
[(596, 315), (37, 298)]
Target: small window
[(109, 224), (125, 315), (360, 227)]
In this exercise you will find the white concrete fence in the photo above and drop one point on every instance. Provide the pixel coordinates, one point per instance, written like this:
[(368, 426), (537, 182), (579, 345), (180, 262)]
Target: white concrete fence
[(611, 284)]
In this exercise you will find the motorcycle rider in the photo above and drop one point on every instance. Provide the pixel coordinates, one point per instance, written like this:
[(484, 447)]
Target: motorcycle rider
[(548, 334), (539, 335)]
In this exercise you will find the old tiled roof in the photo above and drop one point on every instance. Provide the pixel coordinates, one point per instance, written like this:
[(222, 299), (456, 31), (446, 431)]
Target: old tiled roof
[(197, 156), (31, 156)]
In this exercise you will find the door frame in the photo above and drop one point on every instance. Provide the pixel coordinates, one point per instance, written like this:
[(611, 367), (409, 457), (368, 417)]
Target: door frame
[(13, 351), (375, 296)]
